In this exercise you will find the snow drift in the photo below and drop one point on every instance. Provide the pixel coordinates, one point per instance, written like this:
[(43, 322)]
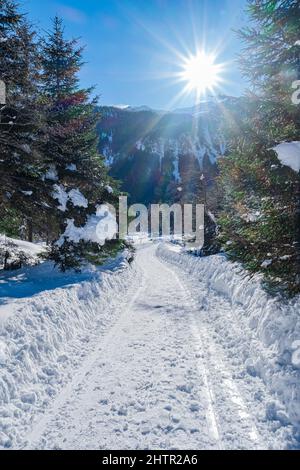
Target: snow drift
[(267, 332), (19, 252), (44, 337)]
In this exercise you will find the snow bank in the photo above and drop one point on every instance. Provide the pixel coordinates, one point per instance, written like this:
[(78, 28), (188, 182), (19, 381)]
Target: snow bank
[(44, 337), (33, 249), (19, 251), (268, 330)]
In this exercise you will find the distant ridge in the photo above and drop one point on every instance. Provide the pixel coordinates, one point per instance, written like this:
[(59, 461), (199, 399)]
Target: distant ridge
[(203, 106)]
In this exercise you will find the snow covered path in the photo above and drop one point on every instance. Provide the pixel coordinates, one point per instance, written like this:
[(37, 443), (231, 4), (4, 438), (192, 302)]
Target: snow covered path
[(158, 380)]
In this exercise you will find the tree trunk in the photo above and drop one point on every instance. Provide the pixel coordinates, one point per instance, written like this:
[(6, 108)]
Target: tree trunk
[(29, 231), (6, 256)]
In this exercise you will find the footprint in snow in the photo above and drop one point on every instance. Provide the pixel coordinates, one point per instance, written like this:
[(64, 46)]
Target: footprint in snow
[(103, 401), (194, 407), (175, 419), (194, 430), (185, 388)]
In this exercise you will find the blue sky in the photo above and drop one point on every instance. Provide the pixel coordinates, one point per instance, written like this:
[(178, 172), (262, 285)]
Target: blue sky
[(133, 47)]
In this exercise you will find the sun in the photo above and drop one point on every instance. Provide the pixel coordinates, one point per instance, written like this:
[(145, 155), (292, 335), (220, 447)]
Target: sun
[(201, 73)]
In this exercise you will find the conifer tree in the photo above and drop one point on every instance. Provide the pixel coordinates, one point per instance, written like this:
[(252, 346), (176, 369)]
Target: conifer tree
[(74, 165), (21, 168), (260, 220)]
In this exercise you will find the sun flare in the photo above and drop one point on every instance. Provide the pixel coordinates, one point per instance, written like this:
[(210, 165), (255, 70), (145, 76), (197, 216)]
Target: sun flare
[(201, 73)]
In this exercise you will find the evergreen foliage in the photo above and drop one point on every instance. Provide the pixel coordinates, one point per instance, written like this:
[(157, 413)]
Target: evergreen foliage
[(21, 121), (48, 139), (74, 164), (260, 220)]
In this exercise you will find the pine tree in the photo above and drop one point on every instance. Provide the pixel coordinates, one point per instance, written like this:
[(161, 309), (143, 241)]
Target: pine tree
[(21, 167), (260, 220), (74, 165)]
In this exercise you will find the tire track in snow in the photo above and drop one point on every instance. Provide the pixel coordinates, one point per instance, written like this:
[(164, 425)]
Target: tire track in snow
[(212, 422), (80, 374), (153, 390), (159, 299), (230, 389)]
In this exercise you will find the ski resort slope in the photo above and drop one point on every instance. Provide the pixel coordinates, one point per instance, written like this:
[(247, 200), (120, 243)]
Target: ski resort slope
[(159, 377)]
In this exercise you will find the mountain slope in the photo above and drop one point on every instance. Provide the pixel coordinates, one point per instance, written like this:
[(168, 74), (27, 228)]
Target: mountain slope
[(161, 156)]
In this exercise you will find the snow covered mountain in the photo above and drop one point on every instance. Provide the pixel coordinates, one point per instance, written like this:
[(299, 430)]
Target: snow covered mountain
[(154, 152)]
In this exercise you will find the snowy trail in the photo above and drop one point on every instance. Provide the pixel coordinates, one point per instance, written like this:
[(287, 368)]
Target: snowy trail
[(158, 379)]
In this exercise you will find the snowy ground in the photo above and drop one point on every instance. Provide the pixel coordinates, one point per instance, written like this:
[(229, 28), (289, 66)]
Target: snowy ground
[(149, 356), (28, 252)]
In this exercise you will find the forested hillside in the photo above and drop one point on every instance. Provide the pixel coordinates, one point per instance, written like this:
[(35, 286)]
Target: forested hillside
[(165, 156)]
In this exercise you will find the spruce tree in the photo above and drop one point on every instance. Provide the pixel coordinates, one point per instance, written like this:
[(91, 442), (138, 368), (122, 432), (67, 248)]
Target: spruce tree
[(21, 167), (74, 165), (260, 220)]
